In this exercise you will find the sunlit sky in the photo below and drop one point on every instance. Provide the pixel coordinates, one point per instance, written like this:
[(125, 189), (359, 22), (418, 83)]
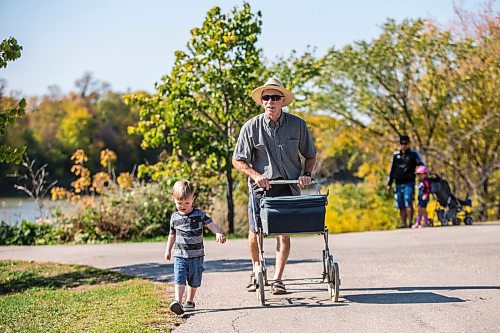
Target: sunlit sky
[(131, 44)]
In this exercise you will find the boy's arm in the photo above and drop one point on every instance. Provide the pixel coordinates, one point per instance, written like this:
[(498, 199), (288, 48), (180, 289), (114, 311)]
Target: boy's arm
[(218, 233), (170, 245)]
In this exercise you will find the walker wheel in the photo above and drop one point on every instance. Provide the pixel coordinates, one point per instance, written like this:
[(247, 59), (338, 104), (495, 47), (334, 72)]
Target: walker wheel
[(261, 296), (333, 279), (264, 272)]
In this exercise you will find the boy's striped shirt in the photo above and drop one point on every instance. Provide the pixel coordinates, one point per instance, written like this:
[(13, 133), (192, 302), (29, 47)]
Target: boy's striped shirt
[(188, 230)]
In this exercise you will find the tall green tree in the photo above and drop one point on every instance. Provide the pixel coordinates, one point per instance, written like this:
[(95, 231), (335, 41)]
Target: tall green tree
[(200, 106), (474, 127), (419, 79), (10, 50), (299, 72), (395, 84)]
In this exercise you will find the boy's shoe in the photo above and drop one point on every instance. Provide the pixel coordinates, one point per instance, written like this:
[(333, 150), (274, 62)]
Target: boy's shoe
[(176, 308), (189, 306), (415, 226)]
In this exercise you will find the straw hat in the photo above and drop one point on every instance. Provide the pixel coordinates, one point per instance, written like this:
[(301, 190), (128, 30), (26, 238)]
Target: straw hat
[(272, 83)]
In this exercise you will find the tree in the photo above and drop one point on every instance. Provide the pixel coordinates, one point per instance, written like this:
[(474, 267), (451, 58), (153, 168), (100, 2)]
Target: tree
[(298, 71), (200, 106), (36, 185), (476, 119), (10, 51), (57, 124), (418, 79), (394, 84)]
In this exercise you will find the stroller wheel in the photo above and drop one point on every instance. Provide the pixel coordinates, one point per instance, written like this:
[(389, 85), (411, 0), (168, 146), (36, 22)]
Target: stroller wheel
[(456, 221), (444, 222), (431, 222), (468, 220)]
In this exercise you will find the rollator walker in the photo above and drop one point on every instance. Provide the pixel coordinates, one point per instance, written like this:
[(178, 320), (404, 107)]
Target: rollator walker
[(289, 215)]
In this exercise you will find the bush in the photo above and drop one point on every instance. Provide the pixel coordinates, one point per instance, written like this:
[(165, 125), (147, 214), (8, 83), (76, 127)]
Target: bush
[(29, 233), (359, 208), (140, 212)]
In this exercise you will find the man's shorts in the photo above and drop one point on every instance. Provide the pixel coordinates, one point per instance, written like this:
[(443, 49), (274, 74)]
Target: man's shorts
[(254, 202), (188, 269), (404, 195)]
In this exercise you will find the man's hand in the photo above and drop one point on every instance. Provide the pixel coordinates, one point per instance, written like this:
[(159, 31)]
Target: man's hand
[(262, 182), (220, 238), (168, 255), (389, 189), (304, 181)]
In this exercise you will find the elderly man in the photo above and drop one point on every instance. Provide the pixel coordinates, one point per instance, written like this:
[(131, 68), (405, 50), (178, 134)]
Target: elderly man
[(269, 147)]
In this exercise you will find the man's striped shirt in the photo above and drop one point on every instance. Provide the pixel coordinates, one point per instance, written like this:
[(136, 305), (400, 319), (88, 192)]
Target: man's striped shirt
[(188, 230)]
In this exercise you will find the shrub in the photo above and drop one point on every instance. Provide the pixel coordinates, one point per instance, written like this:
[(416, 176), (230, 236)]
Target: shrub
[(142, 211), (359, 208), (29, 233)]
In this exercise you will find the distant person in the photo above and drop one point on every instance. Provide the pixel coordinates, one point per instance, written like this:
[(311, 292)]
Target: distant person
[(269, 147), (403, 165), (424, 191), (186, 233)]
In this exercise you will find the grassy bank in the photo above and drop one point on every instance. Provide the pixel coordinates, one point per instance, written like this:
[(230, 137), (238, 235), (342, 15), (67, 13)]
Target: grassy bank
[(49, 297)]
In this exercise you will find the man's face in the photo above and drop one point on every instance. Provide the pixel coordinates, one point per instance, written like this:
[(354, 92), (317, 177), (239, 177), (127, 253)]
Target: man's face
[(405, 145), (272, 108)]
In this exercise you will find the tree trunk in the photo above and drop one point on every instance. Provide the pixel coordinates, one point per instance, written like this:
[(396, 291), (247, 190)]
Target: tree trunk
[(230, 201), (484, 204)]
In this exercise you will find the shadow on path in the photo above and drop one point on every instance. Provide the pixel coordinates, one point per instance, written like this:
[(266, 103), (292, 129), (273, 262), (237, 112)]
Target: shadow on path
[(402, 298), (285, 302), (425, 288), (401, 295), (165, 272)]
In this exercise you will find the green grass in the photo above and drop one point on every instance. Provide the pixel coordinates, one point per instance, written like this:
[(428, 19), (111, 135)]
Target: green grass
[(49, 297)]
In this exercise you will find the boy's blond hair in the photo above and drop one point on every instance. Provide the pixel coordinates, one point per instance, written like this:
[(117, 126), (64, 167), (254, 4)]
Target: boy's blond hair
[(182, 189)]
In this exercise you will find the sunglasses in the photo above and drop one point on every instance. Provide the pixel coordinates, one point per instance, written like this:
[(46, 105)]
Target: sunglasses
[(404, 143), (274, 98)]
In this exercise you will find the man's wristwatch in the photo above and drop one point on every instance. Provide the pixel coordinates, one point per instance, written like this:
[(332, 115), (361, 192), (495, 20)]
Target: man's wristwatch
[(307, 174)]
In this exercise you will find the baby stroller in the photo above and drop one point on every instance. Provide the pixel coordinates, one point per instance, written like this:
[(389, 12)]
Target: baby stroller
[(449, 208)]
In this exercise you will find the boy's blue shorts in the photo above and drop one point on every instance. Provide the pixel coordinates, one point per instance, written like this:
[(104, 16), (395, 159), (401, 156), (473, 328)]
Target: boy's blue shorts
[(404, 195), (188, 269)]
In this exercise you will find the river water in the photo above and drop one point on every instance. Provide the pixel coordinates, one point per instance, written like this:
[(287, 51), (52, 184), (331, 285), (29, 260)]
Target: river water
[(15, 209)]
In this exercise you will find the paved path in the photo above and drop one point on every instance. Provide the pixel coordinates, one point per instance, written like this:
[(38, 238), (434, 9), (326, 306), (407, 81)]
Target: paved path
[(444, 279)]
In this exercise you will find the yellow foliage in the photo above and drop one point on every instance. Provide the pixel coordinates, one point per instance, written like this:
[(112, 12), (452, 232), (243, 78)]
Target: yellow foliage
[(74, 122), (125, 180), (58, 193), (79, 156), (72, 197), (359, 208), (100, 181), (107, 157)]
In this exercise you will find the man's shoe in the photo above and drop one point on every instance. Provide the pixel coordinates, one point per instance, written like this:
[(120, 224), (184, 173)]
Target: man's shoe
[(176, 308), (189, 306), (252, 286)]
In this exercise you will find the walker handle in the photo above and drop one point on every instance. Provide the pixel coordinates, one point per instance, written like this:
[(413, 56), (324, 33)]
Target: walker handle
[(294, 181), (286, 181)]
